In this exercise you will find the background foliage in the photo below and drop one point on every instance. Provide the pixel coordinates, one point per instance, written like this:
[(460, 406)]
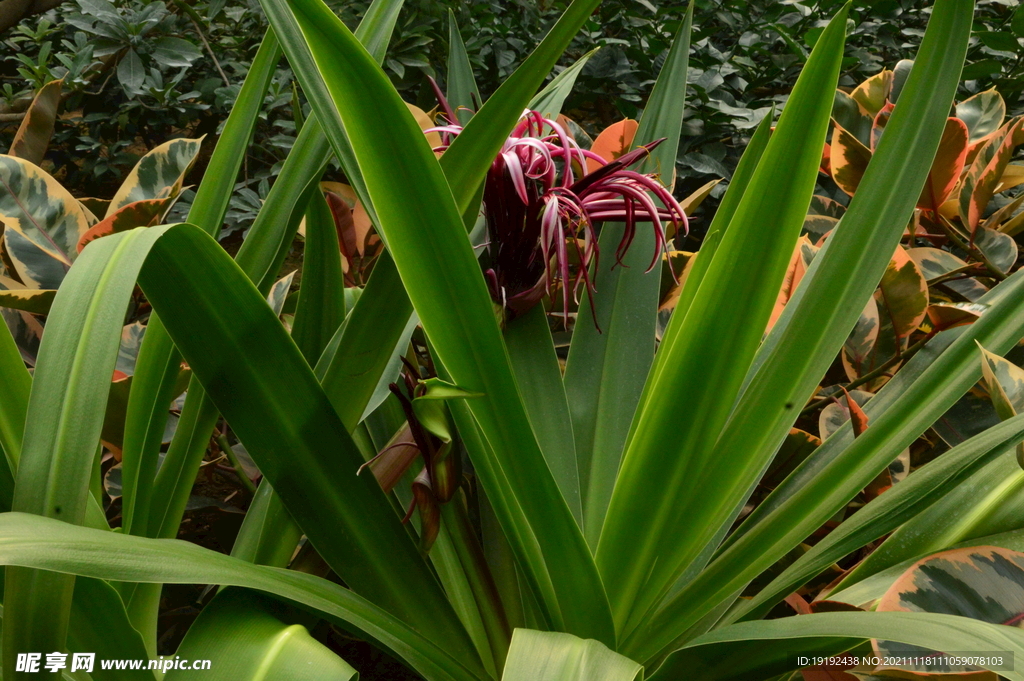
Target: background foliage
[(137, 73)]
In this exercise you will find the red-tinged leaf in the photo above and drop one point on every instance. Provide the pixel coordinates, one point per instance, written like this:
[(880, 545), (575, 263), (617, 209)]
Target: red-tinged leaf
[(948, 315), (430, 510), (36, 127), (826, 160), (797, 602), (614, 141), (947, 166), (834, 415), (878, 124), (394, 460), (981, 181), (858, 419), (849, 160), (873, 93), (144, 213)]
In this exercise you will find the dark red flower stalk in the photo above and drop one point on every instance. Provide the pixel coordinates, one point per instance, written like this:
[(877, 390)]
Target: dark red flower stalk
[(541, 210)]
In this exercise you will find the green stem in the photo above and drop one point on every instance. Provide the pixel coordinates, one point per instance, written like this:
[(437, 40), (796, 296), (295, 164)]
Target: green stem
[(225, 446), (478, 573)]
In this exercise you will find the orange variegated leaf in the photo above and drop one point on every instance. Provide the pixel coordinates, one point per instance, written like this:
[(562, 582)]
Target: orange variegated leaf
[(999, 248), (145, 213), (801, 259), (981, 180), (1013, 176), (878, 124), (614, 141), (15, 295), (904, 294), (873, 93), (36, 127), (159, 174), (948, 315), (849, 159), (983, 583), (947, 166)]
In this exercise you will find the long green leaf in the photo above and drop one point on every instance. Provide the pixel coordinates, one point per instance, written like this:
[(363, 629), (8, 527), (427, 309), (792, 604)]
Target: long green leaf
[(259, 380), (269, 534), (885, 513), (988, 502), (321, 306), (42, 543), (539, 376), (248, 637), (65, 416), (821, 486), (552, 656), (829, 302), (613, 343), (15, 384), (763, 649), (423, 227), (157, 365), (712, 347), (462, 90)]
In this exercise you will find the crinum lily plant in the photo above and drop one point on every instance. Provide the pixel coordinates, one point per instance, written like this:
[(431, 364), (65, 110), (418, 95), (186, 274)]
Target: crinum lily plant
[(592, 527)]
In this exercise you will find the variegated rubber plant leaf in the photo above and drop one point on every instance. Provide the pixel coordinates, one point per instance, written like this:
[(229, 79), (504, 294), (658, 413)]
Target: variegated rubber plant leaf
[(42, 222), (984, 583), (158, 175), (1005, 383)]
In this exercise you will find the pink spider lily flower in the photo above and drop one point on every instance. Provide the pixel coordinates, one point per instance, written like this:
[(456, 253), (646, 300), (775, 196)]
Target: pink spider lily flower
[(541, 209)]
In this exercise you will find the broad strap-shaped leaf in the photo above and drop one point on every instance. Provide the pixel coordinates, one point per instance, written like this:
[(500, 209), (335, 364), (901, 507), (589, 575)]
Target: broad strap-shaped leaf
[(63, 425), (707, 345), (423, 227), (947, 166), (36, 128), (159, 174), (43, 222), (248, 637), (158, 365), (553, 656), (539, 377), (983, 114), (984, 583), (42, 543), (321, 306), (806, 339), (612, 347), (143, 213), (290, 435), (767, 648)]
